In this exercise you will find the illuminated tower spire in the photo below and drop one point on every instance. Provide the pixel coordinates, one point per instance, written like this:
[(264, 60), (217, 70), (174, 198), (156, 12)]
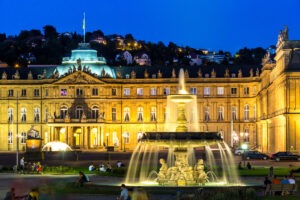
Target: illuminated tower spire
[(83, 27)]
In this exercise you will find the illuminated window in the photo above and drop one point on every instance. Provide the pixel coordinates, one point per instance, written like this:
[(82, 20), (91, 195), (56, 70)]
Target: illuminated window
[(166, 91), (126, 91), (46, 114), (114, 114), (126, 114), (46, 92), (23, 93), (126, 137), (139, 91), (140, 112), (10, 137), (63, 112), (10, 114), (139, 136), (23, 138), (79, 112), (36, 92), (193, 90), (153, 114), (234, 113), (206, 91), (220, 113), (246, 112), (206, 114), (152, 91), (220, 90), (234, 91), (63, 92), (10, 93), (246, 90), (36, 113), (23, 114), (95, 112)]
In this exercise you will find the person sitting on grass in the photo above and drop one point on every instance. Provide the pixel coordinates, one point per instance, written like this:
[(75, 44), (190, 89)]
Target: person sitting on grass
[(82, 179), (91, 167), (108, 167)]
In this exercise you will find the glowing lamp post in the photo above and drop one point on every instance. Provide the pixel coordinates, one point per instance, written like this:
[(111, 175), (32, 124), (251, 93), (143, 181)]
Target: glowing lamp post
[(244, 147)]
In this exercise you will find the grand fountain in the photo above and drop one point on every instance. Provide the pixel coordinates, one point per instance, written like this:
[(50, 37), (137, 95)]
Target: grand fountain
[(182, 140)]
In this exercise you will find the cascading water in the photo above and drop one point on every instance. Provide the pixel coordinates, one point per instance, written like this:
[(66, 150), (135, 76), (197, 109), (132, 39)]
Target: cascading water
[(182, 138)]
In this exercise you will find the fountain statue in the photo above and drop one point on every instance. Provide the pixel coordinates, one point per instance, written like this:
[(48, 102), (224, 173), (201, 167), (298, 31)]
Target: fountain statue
[(181, 138)]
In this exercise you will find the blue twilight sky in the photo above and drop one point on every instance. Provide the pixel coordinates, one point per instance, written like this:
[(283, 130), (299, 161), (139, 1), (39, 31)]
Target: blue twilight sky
[(227, 25)]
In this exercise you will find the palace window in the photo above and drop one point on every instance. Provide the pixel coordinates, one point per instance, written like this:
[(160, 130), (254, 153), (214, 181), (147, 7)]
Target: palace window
[(114, 114), (245, 135), (23, 114), (46, 92), (206, 114), (114, 92), (246, 90), (46, 114), (36, 92), (152, 91), (10, 93), (166, 91), (10, 113), (126, 114), (126, 136), (95, 92), (63, 92), (139, 91), (254, 112), (23, 92), (139, 136), (126, 91), (220, 90), (140, 112), (79, 92), (79, 112), (63, 112), (36, 113), (206, 91), (23, 137), (233, 91), (193, 90), (246, 112), (95, 112), (10, 137), (220, 113), (153, 114), (234, 113)]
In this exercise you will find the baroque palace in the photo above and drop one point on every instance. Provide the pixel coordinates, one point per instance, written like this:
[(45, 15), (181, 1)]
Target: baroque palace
[(89, 105)]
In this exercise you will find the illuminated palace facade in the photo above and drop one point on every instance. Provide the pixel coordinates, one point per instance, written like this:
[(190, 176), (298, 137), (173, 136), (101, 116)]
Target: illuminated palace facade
[(89, 105)]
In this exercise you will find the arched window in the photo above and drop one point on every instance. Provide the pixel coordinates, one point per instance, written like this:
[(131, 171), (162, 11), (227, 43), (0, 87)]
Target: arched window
[(126, 114), (153, 114), (140, 112), (10, 113), (246, 112), (10, 137), (36, 114), (79, 112), (95, 112), (220, 113), (233, 113), (63, 112), (23, 114), (206, 113), (139, 136), (23, 137)]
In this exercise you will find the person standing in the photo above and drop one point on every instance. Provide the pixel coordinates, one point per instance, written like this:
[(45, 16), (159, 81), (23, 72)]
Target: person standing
[(124, 193), (271, 172), (22, 164)]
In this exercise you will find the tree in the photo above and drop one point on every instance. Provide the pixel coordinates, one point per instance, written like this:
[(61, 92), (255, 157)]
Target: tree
[(50, 32)]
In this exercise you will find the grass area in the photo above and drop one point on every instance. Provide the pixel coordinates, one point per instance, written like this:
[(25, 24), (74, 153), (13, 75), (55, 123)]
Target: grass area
[(264, 171)]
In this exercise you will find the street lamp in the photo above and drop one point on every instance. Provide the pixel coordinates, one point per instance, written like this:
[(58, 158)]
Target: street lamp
[(244, 147), (107, 134)]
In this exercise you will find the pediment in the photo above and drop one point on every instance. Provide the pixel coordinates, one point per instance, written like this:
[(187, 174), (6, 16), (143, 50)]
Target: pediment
[(78, 77)]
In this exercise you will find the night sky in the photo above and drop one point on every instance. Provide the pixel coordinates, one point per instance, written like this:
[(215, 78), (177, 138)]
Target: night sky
[(227, 25)]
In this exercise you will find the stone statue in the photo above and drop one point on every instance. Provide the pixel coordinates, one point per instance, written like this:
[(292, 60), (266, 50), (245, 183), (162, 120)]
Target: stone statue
[(146, 74), (4, 76), (240, 75), (199, 172), (257, 72), (119, 75), (213, 73), (162, 174), (251, 72), (79, 63), (226, 73), (133, 74), (16, 75), (159, 74), (200, 73), (186, 74), (29, 77)]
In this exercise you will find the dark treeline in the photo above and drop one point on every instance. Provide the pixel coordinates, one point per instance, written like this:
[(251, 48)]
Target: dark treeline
[(49, 46)]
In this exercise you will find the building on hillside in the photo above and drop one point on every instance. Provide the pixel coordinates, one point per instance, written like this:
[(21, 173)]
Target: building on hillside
[(142, 59), (89, 105)]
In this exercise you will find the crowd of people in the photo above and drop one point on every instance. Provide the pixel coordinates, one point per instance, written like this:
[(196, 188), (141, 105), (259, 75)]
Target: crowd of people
[(104, 167), (30, 167)]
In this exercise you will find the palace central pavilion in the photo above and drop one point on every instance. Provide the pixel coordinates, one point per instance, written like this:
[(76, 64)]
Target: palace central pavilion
[(90, 105)]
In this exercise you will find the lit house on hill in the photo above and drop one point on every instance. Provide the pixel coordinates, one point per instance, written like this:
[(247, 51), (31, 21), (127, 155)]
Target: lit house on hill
[(89, 105)]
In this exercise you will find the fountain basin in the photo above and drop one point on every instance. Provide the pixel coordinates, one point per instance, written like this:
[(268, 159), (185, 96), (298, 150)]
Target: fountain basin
[(181, 139), (181, 98)]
